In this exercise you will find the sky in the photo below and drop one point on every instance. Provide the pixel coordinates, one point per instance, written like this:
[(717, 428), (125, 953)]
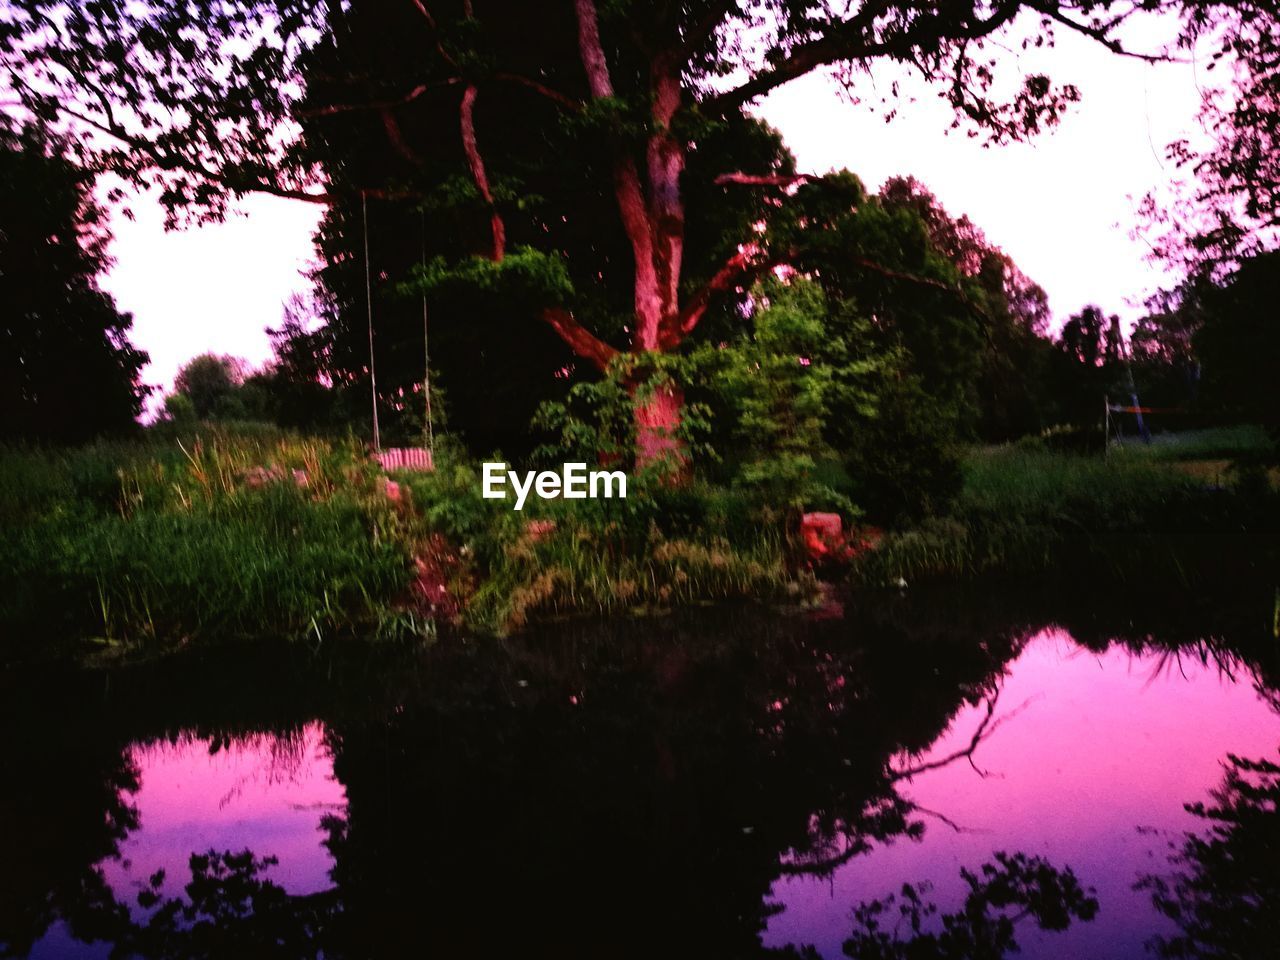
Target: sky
[(1062, 205)]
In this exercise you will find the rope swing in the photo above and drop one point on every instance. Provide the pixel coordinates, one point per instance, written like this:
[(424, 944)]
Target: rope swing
[(398, 458), (426, 347), (368, 296)]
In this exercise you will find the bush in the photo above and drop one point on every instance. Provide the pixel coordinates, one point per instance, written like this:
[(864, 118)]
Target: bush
[(903, 460)]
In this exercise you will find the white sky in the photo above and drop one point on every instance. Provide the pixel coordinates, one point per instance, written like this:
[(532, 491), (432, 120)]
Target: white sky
[(1061, 206)]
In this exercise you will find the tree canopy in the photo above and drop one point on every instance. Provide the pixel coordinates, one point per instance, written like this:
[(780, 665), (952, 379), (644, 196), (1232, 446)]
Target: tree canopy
[(211, 100)]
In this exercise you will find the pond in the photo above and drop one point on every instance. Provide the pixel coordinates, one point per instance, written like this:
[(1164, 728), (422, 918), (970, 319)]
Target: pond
[(921, 774)]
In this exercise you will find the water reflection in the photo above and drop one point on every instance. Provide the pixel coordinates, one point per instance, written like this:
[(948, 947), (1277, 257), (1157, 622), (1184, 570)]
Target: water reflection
[(1223, 886), (904, 781)]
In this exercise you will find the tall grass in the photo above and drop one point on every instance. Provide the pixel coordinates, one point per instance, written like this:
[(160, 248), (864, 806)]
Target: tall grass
[(1212, 443), (1024, 510), (232, 534), (211, 536)]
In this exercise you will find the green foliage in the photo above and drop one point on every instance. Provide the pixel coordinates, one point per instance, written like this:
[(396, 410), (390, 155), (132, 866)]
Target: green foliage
[(596, 422), (1024, 511), (661, 546), (523, 274), (208, 381), (775, 387), (209, 534), (903, 460), (215, 538)]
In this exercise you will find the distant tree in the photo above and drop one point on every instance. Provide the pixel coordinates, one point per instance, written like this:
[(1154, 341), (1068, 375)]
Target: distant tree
[(1013, 312), (210, 381), (1238, 343), (1086, 366), (1161, 344), (67, 369)]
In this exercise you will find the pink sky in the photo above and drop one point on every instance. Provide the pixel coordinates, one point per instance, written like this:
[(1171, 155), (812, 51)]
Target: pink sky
[(1061, 206), (265, 794), (1097, 746)]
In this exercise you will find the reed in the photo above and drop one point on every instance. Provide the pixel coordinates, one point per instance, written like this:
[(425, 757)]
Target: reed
[(214, 536)]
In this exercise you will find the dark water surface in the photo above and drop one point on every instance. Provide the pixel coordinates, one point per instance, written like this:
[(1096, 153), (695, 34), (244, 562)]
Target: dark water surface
[(925, 775)]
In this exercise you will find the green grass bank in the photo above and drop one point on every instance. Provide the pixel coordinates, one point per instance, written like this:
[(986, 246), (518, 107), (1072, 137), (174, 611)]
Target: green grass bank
[(233, 534), (1188, 506), (245, 533)]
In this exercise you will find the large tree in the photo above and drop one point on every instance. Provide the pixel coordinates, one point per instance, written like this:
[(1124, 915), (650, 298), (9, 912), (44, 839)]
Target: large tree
[(67, 370), (204, 98)]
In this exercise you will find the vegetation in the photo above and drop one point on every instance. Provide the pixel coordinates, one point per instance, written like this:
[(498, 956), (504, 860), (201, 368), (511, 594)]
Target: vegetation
[(647, 279), (233, 533), (1143, 511), (61, 336), (204, 537)]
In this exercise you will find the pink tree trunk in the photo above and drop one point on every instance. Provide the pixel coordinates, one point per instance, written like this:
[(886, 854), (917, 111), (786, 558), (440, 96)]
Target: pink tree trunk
[(658, 418)]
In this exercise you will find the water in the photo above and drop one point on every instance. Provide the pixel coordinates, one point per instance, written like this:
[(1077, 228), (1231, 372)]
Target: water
[(726, 784)]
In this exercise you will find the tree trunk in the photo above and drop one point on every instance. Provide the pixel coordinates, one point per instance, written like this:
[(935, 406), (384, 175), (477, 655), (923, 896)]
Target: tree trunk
[(658, 416)]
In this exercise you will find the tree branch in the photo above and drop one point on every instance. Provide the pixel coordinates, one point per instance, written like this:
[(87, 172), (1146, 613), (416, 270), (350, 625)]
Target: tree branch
[(705, 27), (591, 50), (172, 162), (855, 39), (762, 179), (336, 108), (475, 162), (747, 263), (626, 184), (580, 340), (965, 753), (542, 89), (988, 726), (435, 29), (1099, 34), (394, 134), (803, 59)]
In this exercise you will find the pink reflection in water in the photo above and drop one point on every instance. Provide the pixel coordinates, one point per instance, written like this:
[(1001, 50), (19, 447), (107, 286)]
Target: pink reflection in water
[(266, 793), (1104, 744)]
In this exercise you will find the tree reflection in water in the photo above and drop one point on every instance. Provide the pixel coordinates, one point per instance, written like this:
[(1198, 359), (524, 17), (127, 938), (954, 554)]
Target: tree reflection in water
[(1223, 891), (634, 792), (1000, 895)]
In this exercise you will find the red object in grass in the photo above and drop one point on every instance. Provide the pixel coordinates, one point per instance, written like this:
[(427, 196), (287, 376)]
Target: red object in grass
[(823, 534), (538, 530), (825, 539)]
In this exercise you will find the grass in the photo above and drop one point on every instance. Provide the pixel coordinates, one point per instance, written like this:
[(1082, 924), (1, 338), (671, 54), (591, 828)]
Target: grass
[(233, 534), (214, 536), (1140, 511), (1216, 443)]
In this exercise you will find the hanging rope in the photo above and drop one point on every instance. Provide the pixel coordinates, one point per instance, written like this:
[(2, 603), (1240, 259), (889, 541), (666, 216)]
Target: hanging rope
[(368, 295), (426, 347)]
